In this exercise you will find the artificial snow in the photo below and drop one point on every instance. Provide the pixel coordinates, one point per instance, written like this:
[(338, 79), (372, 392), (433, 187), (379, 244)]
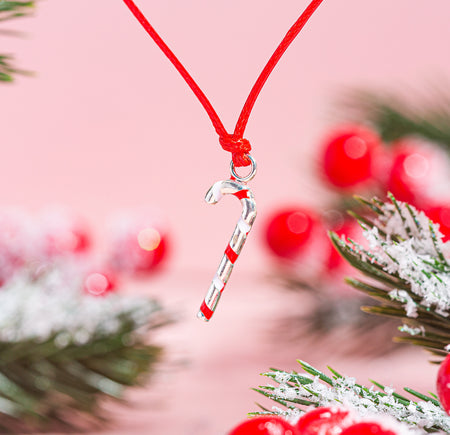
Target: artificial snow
[(368, 403), (54, 305), (412, 249)]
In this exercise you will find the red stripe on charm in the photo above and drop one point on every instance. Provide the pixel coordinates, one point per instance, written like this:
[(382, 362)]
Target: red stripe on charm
[(242, 194), (231, 255), (207, 312)]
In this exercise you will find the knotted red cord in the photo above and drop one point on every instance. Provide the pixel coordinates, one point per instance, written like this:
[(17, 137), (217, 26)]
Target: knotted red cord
[(234, 143)]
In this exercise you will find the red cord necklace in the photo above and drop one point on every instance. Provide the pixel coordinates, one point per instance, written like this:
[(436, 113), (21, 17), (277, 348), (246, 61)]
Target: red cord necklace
[(236, 144)]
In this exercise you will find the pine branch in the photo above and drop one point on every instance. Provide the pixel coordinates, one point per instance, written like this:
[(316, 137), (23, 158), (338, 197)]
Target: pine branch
[(14, 9), (329, 317), (408, 270), (294, 392), (43, 384), (7, 69), (394, 119), (63, 352), (10, 10)]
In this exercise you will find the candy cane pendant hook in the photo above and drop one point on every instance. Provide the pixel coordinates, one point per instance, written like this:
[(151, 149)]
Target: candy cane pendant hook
[(235, 186)]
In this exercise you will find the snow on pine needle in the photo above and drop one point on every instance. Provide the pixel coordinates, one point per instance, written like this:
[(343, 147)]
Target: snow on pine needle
[(408, 264), (63, 351), (411, 247), (296, 392), (52, 304), (68, 338)]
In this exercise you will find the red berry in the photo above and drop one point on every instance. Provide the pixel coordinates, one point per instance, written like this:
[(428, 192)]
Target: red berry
[(74, 240), (367, 428), (342, 227), (348, 154), (288, 231), (409, 168), (418, 172), (139, 246), (441, 215), (10, 261), (17, 243), (270, 425), (443, 384), (99, 283), (323, 421), (64, 233)]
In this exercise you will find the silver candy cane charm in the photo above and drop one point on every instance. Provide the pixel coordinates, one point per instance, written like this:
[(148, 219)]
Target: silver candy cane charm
[(235, 186)]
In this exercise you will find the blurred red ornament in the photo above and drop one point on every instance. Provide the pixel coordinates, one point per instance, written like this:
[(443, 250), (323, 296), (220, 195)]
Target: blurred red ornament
[(73, 240), (288, 231), (348, 155), (64, 233), (266, 425), (443, 384), (419, 173), (99, 283), (139, 246), (367, 428), (410, 170), (10, 262), (17, 243), (342, 227), (324, 421), (440, 214)]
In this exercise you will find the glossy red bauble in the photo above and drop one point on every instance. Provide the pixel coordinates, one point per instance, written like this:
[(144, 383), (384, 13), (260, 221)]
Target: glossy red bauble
[(440, 214), (288, 230), (323, 421), (348, 155), (443, 384), (265, 425), (367, 428), (99, 283)]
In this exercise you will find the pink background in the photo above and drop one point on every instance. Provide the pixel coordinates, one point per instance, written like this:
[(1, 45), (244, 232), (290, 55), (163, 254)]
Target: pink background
[(107, 124)]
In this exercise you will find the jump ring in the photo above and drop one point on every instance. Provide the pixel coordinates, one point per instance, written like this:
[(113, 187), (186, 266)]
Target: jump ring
[(248, 177)]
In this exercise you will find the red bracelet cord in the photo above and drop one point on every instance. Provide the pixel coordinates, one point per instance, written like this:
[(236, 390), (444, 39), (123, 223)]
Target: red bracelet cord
[(234, 143)]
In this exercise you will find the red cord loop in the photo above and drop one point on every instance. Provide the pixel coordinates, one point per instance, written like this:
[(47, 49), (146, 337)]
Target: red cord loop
[(238, 147), (234, 143)]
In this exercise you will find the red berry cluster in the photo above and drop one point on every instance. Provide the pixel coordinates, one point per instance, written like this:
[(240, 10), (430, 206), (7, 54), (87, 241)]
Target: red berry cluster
[(354, 159), (137, 247), (323, 421), (297, 234)]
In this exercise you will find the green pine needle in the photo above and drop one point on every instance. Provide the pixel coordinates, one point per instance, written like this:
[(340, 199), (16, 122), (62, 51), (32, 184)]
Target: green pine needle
[(49, 386), (395, 119), (431, 271), (296, 392), (8, 11)]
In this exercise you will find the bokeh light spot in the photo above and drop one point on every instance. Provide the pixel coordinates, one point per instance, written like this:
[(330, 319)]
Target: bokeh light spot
[(297, 222), (96, 284), (149, 239), (416, 166), (355, 147)]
